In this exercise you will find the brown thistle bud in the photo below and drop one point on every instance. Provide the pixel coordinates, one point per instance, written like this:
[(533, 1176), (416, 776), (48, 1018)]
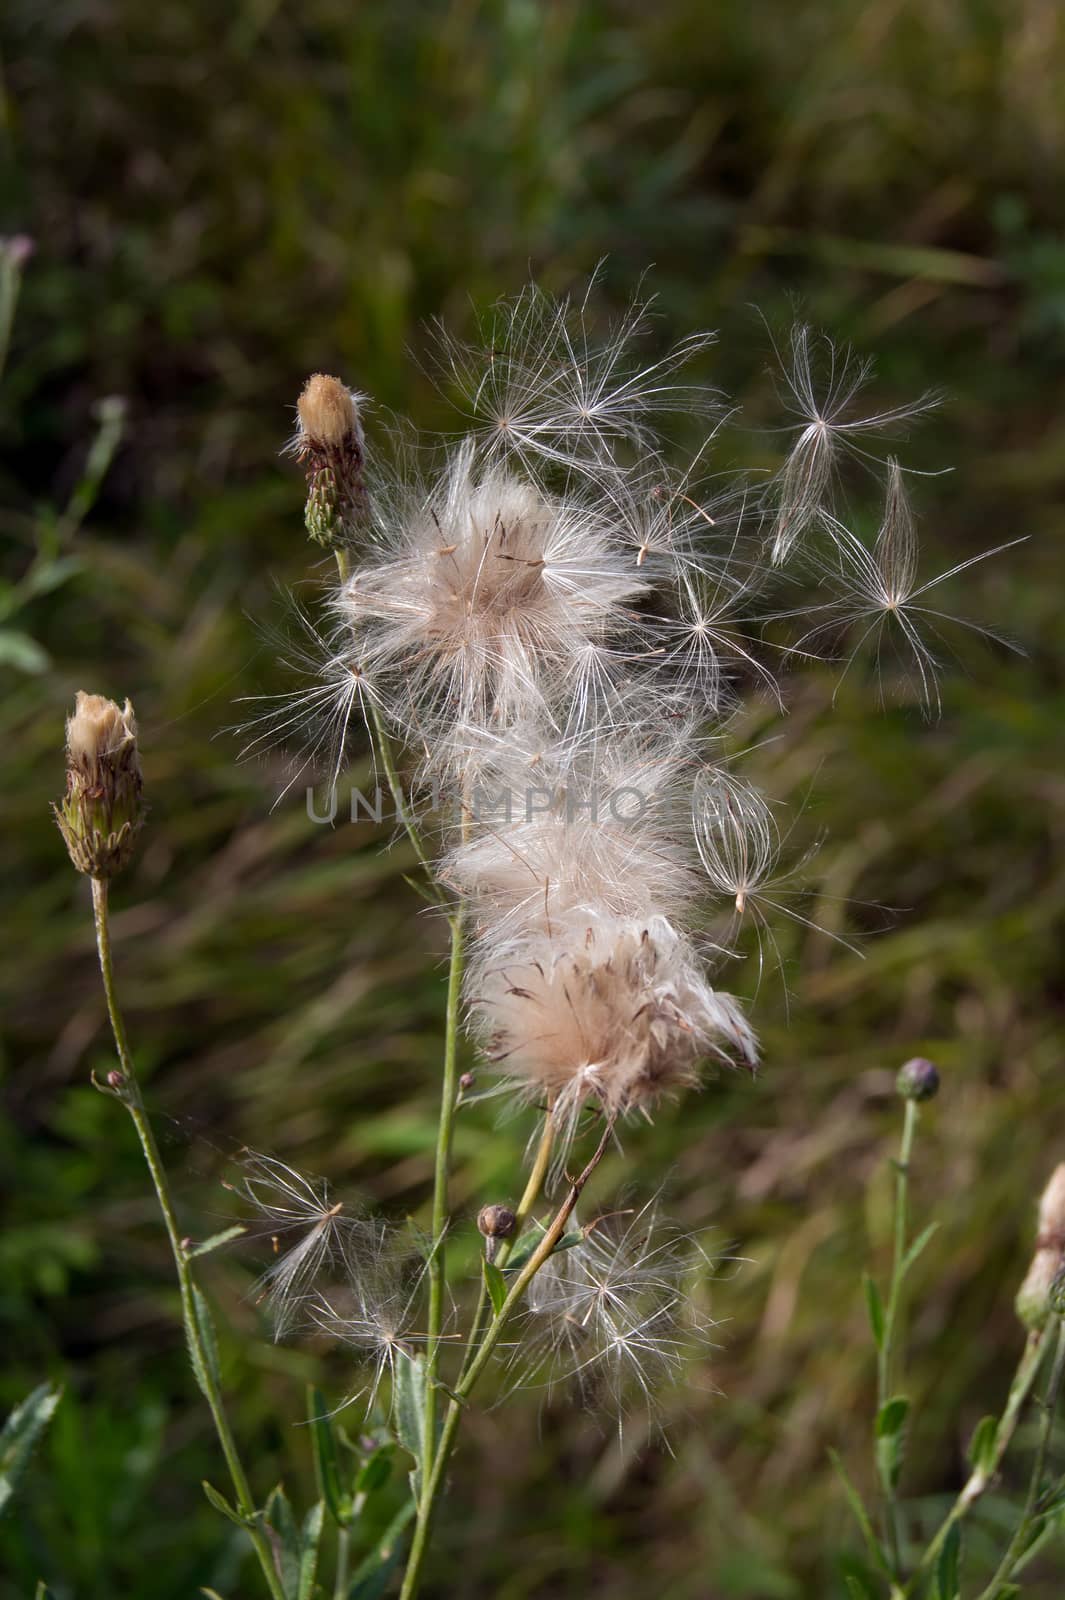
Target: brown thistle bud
[(102, 811), (330, 441), (1039, 1293), (496, 1223)]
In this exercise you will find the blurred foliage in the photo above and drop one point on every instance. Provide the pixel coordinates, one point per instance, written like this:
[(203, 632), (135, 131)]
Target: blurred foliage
[(224, 198)]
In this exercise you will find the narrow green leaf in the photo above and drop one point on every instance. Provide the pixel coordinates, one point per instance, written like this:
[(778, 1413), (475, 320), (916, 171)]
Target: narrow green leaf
[(18, 650), (531, 1240), (221, 1504), (42, 1592), (288, 1546), (875, 1307), (326, 1460), (917, 1246), (310, 1541), (375, 1473), (983, 1443), (215, 1242), (861, 1516), (409, 1397), (370, 1579), (497, 1286), (890, 1431), (947, 1573), (211, 1594), (891, 1418), (860, 1589), (205, 1375), (20, 1436)]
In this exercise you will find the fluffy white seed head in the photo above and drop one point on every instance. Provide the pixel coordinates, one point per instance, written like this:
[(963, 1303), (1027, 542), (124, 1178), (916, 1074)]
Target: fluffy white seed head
[(607, 1012), (557, 829), (475, 604)]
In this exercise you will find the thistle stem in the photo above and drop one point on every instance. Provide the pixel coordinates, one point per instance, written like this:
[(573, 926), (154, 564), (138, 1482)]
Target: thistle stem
[(437, 1262), (886, 1354), (130, 1095), (1022, 1533), (466, 1383), (981, 1478)]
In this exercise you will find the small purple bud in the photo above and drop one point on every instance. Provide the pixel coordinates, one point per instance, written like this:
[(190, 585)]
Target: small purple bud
[(115, 1079), (918, 1080), (466, 1081)]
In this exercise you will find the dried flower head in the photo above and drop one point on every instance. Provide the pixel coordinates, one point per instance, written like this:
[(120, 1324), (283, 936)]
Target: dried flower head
[(1034, 1298), (102, 811), (608, 1012), (329, 440)]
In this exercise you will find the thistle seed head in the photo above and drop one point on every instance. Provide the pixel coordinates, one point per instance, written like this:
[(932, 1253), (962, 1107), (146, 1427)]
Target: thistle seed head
[(102, 811)]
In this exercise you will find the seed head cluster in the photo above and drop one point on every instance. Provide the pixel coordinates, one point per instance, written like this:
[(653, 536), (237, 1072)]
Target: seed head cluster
[(557, 621)]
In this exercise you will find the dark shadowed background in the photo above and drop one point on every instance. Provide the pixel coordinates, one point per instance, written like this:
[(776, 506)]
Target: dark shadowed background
[(222, 198)]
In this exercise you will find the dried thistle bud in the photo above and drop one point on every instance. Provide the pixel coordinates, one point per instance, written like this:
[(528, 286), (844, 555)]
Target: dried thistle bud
[(102, 811), (496, 1222), (1041, 1289), (330, 441), (918, 1080), (327, 413)]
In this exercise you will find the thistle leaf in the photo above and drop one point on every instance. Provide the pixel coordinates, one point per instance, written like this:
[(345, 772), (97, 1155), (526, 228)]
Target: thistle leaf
[(215, 1242), (875, 1307), (326, 1460), (21, 1433)]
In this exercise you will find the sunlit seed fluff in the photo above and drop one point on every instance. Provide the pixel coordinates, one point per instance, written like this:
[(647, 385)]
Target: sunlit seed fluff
[(608, 1012), (311, 1236), (542, 390), (373, 1307), (477, 600), (822, 383), (736, 835), (616, 1314), (555, 828)]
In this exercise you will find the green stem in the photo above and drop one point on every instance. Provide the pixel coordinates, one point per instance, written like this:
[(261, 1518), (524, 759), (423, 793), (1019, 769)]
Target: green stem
[(1017, 1544), (130, 1095), (437, 1259), (466, 1383), (981, 1479), (885, 1357), (340, 1587)]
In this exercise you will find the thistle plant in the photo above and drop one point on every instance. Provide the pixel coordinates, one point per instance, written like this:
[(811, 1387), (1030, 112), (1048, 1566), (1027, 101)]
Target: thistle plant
[(543, 626)]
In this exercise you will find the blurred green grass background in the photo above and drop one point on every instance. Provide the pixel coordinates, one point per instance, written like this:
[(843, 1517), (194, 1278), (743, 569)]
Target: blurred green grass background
[(223, 198)]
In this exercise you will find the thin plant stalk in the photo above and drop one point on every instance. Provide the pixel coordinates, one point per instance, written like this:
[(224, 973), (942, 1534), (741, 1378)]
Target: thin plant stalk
[(341, 1585), (1022, 1533), (981, 1478), (130, 1096), (885, 1357), (437, 1261), (467, 1382)]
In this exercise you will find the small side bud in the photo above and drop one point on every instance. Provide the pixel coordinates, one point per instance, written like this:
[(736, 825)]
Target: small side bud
[(102, 811), (496, 1222), (1043, 1290), (918, 1080), (467, 1081), (330, 441)]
